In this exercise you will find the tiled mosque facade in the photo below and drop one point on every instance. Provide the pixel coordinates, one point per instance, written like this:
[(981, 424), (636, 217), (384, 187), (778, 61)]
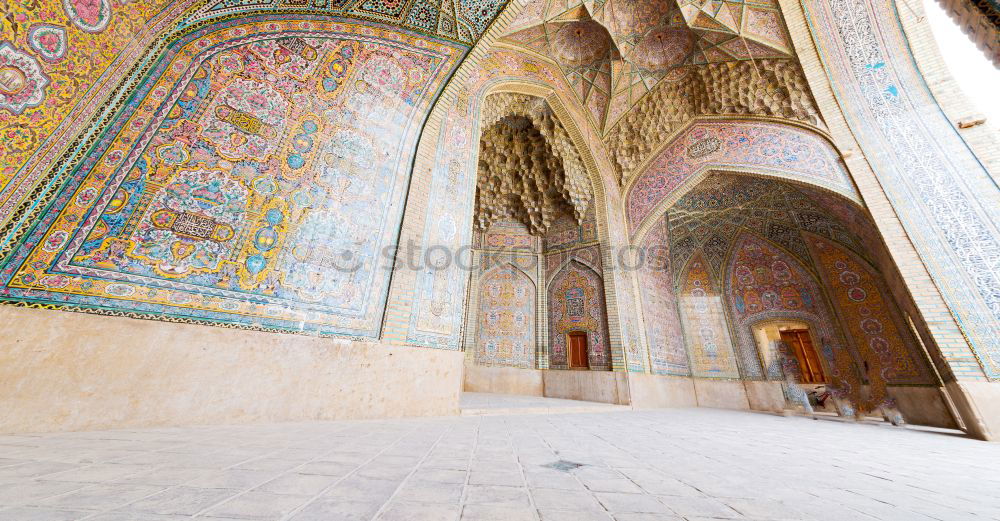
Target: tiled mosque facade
[(411, 198)]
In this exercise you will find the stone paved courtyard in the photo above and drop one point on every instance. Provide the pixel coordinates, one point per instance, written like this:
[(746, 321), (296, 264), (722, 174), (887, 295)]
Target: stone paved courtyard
[(694, 464)]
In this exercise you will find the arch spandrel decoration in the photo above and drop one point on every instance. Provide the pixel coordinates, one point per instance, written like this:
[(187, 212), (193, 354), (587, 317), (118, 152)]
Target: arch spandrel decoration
[(231, 182), (758, 147)]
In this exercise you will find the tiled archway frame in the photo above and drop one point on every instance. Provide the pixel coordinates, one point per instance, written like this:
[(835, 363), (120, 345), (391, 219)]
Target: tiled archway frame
[(945, 197), (823, 317), (606, 202), (934, 320), (601, 303), (444, 188), (761, 147)]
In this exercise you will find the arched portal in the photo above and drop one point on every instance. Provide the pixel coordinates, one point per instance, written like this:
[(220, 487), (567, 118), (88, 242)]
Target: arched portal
[(749, 251), (577, 306), (535, 206)]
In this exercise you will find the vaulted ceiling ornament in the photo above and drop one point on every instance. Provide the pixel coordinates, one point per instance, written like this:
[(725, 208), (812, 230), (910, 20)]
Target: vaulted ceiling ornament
[(651, 41), (529, 169)]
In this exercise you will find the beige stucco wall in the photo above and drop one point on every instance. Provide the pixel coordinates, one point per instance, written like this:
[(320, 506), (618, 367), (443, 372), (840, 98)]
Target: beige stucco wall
[(923, 406), (765, 395), (503, 380), (721, 394), (591, 386), (67, 371), (654, 392), (978, 403)]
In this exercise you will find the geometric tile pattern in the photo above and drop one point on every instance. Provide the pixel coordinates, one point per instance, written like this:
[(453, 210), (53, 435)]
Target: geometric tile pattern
[(456, 20), (789, 239), (710, 216)]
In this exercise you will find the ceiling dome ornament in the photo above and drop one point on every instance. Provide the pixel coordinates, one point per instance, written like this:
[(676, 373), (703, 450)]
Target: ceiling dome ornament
[(581, 43), (664, 48), (629, 20)]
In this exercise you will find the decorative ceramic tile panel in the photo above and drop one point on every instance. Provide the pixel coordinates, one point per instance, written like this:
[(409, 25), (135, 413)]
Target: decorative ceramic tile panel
[(506, 334), (944, 197), (664, 338), (228, 189), (705, 325), (873, 322), (576, 303), (764, 148), (763, 282), (458, 20), (52, 53)]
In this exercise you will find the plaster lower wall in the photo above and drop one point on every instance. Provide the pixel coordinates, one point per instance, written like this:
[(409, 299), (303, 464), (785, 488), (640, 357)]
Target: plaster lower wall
[(765, 395), (721, 394), (980, 402), (63, 371), (923, 406), (591, 386), (503, 380), (655, 392)]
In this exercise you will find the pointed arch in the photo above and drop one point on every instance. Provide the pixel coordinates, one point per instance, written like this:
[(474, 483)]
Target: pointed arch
[(756, 147), (762, 281), (505, 326), (576, 303), (703, 314)]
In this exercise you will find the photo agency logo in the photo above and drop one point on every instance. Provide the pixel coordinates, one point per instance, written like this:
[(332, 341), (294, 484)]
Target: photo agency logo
[(411, 256)]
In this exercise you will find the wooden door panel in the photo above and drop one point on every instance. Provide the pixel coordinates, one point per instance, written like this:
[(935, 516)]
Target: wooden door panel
[(800, 343), (578, 350)]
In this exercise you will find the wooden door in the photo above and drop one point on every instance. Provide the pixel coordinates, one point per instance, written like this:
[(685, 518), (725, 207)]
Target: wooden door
[(578, 350), (801, 345)]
